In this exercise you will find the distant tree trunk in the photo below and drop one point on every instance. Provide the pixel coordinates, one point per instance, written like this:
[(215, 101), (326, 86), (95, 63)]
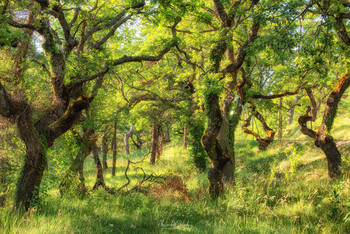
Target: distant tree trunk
[(185, 140), (157, 142), (292, 109), (322, 137), (280, 119), (77, 167), (105, 149), (138, 143), (126, 139), (99, 172), (114, 148), (166, 135)]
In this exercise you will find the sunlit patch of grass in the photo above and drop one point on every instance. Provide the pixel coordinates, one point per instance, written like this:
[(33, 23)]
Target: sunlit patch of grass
[(260, 202)]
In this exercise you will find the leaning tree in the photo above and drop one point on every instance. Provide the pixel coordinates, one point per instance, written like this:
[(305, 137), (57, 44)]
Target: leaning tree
[(74, 37)]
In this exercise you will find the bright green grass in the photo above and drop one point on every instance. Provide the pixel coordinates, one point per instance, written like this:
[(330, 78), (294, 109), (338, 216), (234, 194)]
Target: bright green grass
[(304, 201)]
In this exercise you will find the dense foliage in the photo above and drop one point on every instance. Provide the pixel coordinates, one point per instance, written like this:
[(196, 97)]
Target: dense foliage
[(190, 82)]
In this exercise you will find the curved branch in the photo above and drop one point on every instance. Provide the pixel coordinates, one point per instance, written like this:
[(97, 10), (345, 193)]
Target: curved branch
[(303, 121)]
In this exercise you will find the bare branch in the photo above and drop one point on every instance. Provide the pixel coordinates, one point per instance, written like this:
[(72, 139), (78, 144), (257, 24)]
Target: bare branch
[(121, 85)]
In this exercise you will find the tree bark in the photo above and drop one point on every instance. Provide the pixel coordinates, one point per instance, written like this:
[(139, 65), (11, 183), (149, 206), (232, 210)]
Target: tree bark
[(185, 139), (114, 149), (99, 170), (213, 148), (126, 140), (157, 142), (279, 120), (105, 150)]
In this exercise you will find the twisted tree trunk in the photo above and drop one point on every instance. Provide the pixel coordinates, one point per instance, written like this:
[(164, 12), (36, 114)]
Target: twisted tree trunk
[(322, 137)]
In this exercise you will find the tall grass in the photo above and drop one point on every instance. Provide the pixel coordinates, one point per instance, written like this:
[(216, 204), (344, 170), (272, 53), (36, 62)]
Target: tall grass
[(264, 199)]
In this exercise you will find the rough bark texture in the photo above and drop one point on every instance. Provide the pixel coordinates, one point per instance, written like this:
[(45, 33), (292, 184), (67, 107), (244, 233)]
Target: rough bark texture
[(213, 148)]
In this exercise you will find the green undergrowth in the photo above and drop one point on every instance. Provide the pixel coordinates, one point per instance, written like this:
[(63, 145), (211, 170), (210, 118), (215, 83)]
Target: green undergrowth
[(282, 190)]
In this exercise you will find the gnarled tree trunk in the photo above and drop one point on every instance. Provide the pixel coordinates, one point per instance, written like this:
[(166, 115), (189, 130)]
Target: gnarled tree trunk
[(322, 137), (213, 147)]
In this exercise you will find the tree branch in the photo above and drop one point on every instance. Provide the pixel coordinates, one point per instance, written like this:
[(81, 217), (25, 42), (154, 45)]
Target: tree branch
[(287, 93)]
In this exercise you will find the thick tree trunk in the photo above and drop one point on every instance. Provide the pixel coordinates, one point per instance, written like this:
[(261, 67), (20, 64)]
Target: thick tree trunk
[(114, 149), (105, 150), (30, 178), (328, 146), (213, 147), (126, 139), (35, 162)]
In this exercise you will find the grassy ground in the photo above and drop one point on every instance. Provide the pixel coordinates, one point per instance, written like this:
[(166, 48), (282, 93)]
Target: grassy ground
[(283, 190)]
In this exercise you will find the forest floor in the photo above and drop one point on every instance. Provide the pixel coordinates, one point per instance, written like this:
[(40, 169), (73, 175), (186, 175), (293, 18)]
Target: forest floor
[(282, 190)]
